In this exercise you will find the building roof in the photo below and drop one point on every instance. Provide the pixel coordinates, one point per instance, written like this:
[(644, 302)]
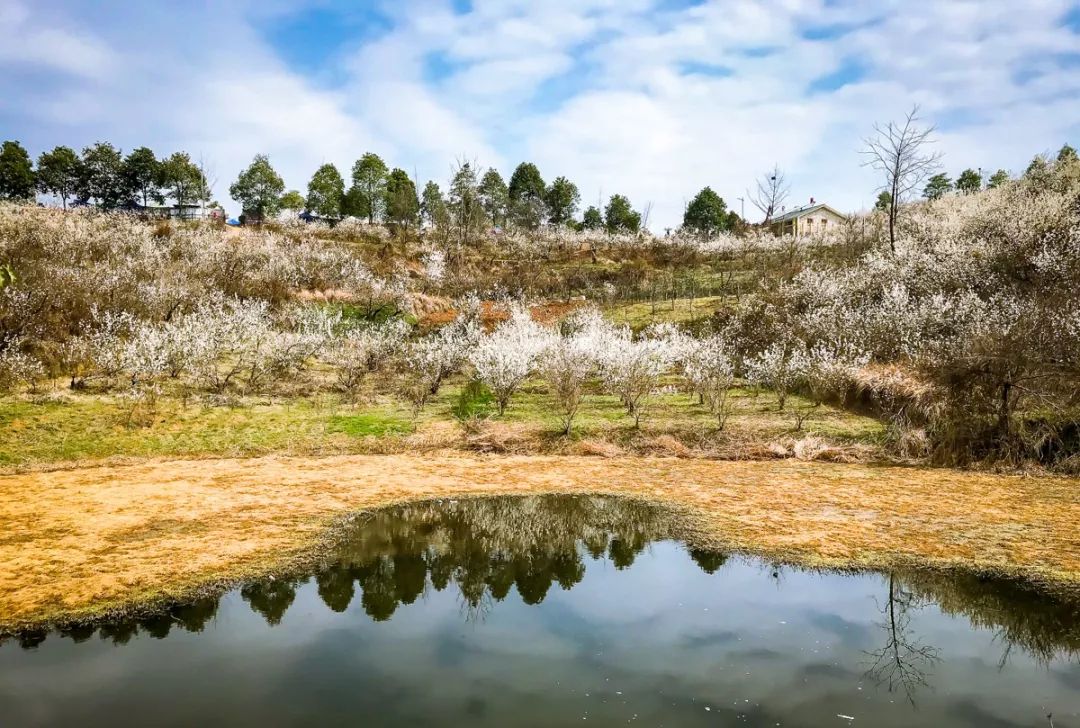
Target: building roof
[(805, 210)]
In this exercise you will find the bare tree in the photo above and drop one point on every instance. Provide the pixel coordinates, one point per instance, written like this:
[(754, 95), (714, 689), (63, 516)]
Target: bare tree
[(772, 190), (646, 212), (903, 662), (209, 182), (898, 151)]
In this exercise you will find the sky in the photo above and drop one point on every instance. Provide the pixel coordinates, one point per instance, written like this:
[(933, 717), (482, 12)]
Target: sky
[(653, 99)]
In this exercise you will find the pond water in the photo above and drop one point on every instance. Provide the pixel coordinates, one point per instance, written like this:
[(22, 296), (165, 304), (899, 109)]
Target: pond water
[(548, 611)]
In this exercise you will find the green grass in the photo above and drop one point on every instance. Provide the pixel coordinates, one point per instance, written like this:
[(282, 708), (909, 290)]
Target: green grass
[(76, 427), (604, 415), (642, 313), (90, 427), (366, 424), (356, 314)]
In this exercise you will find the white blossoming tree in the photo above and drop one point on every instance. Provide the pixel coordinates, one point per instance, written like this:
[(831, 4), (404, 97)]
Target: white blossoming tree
[(709, 366), (571, 360), (506, 357), (631, 368), (779, 367), (360, 350), (428, 360)]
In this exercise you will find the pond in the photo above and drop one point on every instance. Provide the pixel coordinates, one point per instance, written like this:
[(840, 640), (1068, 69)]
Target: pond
[(548, 611)]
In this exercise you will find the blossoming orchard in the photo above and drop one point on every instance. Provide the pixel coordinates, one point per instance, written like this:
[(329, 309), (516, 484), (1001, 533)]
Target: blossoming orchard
[(965, 339)]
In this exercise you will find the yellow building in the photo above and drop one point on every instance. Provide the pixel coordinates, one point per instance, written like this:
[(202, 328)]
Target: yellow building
[(808, 220)]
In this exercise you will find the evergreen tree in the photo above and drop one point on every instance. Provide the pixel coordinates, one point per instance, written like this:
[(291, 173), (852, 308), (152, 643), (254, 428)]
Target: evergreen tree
[(592, 219), (367, 196), (58, 173), (997, 179), (182, 178), (937, 187), (293, 201), (142, 176), (433, 210), (464, 205), (326, 192), (402, 205), (17, 179), (495, 197), (258, 189), (884, 201), (706, 214), (526, 192), (102, 176), (1066, 155), (1038, 171), (562, 199), (620, 217), (1037, 168), (969, 181)]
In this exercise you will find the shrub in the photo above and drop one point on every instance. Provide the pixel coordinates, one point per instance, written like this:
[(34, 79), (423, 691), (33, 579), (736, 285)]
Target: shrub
[(474, 402)]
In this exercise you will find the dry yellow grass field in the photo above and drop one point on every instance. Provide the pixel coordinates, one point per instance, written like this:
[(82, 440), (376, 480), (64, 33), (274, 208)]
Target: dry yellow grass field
[(82, 542)]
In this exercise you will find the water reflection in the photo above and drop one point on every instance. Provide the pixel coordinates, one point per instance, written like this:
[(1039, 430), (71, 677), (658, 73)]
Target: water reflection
[(486, 547), (509, 591), (904, 661)]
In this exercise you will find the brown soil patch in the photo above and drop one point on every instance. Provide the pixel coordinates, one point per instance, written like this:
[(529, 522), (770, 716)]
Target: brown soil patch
[(83, 541)]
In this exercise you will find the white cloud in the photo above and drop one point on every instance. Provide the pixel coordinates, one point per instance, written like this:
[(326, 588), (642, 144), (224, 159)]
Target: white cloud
[(615, 94), (25, 44)]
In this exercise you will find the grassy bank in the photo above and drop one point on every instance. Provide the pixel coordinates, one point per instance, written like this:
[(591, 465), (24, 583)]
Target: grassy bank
[(82, 542), (77, 428)]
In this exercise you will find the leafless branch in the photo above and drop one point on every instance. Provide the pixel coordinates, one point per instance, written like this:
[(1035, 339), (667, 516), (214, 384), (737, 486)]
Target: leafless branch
[(771, 192), (897, 151)]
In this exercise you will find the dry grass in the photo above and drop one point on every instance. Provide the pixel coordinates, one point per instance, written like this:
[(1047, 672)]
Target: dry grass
[(82, 542), (640, 314), (492, 314)]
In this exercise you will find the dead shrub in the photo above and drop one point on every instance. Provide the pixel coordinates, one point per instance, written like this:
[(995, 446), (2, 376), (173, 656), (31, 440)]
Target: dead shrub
[(598, 448), (668, 445)]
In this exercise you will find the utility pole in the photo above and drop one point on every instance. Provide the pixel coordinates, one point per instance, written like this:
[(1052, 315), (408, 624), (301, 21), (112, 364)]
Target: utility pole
[(742, 207)]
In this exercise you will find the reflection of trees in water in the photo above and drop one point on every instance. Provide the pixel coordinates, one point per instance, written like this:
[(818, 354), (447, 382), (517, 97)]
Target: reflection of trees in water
[(484, 546), (487, 547), (192, 617), (336, 588), (270, 597), (709, 561), (1040, 624), (1044, 626), (903, 662)]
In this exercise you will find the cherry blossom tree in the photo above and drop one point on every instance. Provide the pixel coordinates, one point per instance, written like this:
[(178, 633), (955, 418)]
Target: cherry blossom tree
[(631, 368), (360, 350), (709, 366), (506, 357), (779, 367), (571, 360)]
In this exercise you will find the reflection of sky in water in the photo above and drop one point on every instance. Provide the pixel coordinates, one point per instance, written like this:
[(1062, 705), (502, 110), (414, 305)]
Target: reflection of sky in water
[(662, 642)]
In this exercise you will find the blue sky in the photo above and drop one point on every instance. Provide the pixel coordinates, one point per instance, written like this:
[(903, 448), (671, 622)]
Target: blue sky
[(649, 98)]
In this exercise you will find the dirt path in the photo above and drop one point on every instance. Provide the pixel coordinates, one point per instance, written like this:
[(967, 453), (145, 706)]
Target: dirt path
[(78, 542)]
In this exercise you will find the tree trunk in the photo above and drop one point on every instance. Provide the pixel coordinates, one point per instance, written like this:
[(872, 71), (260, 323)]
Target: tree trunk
[(894, 205), (1004, 414)]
